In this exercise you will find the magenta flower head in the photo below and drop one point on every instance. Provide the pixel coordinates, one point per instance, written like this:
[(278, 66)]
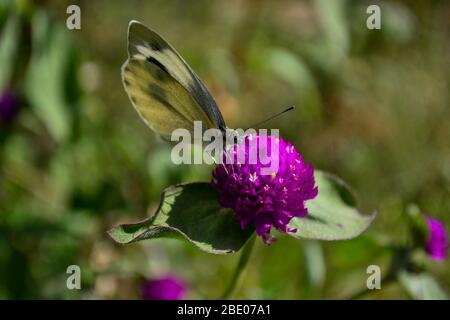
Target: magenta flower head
[(167, 288), (437, 242), (268, 190), (9, 106)]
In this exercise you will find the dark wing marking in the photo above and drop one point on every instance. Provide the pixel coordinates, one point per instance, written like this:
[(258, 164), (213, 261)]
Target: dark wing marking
[(160, 100)]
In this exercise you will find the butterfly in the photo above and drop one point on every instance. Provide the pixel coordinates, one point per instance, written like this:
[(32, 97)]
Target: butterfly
[(163, 88)]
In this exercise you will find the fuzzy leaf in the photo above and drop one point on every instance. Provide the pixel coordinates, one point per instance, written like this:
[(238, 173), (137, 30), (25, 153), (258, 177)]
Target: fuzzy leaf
[(192, 211), (332, 214)]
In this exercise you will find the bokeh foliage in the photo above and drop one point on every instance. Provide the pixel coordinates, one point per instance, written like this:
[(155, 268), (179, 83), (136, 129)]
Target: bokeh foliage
[(372, 107)]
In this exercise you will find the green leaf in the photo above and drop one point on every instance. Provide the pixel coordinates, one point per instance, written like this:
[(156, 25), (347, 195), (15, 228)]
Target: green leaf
[(51, 79), (192, 211), (332, 214), (421, 286), (9, 39)]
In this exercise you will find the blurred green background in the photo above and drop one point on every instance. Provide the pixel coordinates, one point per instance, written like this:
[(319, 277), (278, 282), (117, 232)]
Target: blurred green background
[(372, 107)]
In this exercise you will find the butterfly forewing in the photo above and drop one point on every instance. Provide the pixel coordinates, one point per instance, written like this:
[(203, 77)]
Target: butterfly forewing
[(163, 88)]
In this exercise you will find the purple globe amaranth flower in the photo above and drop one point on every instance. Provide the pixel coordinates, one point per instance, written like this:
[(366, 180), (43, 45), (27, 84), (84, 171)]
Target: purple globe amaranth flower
[(437, 242), (9, 106), (167, 288), (261, 197)]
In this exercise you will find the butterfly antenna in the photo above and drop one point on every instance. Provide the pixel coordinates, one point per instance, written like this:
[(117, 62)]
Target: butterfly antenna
[(273, 117), (217, 163)]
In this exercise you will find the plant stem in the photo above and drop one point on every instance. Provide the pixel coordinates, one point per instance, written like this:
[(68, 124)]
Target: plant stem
[(243, 259)]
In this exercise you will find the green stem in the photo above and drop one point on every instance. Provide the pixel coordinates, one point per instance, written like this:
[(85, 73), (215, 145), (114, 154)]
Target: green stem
[(243, 260)]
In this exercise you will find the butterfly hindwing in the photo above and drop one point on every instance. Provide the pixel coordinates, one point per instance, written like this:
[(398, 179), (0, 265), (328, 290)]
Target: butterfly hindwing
[(163, 88)]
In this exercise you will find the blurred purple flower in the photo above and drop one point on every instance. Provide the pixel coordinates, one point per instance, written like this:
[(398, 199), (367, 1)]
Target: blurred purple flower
[(9, 106), (265, 200), (167, 288), (437, 242)]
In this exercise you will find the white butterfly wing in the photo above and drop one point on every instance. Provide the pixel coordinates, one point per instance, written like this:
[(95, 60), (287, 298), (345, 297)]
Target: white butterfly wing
[(163, 88)]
